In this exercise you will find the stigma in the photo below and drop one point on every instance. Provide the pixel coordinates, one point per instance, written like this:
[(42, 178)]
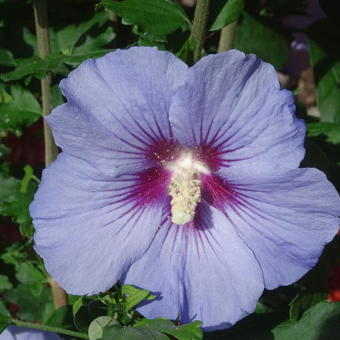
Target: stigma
[(185, 187)]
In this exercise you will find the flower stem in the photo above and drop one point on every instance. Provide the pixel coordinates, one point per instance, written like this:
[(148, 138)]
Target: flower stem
[(49, 328), (51, 150), (199, 27), (41, 26), (227, 37)]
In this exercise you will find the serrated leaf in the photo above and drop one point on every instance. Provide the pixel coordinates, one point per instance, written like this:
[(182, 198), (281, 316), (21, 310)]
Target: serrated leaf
[(75, 60), (330, 130), (155, 17), (69, 35), (35, 304), (5, 284), (37, 67), (228, 14), (320, 322), (9, 187), (5, 317), (255, 36), (133, 296), (22, 111), (94, 44), (13, 254), (27, 273), (17, 208)]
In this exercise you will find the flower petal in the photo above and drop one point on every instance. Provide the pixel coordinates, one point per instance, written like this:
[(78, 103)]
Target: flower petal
[(86, 223), (286, 220), (22, 333), (203, 272), (118, 108), (232, 104)]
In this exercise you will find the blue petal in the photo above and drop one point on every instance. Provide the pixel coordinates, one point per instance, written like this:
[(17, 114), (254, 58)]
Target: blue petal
[(21, 333), (233, 104), (286, 220), (117, 108), (91, 227), (203, 272)]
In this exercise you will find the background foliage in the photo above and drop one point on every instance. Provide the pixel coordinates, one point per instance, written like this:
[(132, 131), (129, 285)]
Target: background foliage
[(301, 41)]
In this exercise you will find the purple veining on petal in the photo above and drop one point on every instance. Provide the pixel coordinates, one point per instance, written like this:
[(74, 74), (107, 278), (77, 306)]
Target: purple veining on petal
[(218, 192)]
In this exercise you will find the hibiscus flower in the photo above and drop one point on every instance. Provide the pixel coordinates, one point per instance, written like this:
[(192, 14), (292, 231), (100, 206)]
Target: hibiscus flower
[(183, 181)]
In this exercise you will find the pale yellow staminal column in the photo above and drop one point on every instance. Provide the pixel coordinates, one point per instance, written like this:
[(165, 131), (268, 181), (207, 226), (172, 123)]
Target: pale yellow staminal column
[(185, 187)]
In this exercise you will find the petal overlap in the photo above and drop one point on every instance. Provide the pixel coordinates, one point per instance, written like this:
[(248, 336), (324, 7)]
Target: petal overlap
[(233, 104), (86, 234), (117, 108), (201, 272), (286, 231)]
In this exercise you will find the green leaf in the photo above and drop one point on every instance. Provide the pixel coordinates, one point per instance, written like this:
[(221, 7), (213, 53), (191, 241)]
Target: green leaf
[(9, 186), (6, 57), (5, 284), (58, 318), (37, 67), (320, 322), (229, 13), (29, 274), (22, 111), (35, 302), (330, 130), (80, 315), (258, 37), (93, 45), (28, 170), (191, 331), (85, 309), (13, 254), (262, 308), (130, 333), (133, 296), (303, 301), (17, 207), (96, 328), (325, 59), (69, 35), (56, 96), (5, 317), (159, 17)]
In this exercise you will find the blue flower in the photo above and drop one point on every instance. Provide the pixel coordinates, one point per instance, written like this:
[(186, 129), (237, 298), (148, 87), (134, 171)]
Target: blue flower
[(22, 333), (183, 181)]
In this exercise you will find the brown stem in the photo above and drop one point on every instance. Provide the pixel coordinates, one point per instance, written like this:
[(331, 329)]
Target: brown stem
[(58, 294), (227, 37), (51, 150), (41, 26), (199, 27)]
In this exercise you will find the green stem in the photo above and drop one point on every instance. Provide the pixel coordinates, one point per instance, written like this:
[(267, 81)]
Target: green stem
[(227, 37), (41, 26), (49, 329), (199, 27)]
